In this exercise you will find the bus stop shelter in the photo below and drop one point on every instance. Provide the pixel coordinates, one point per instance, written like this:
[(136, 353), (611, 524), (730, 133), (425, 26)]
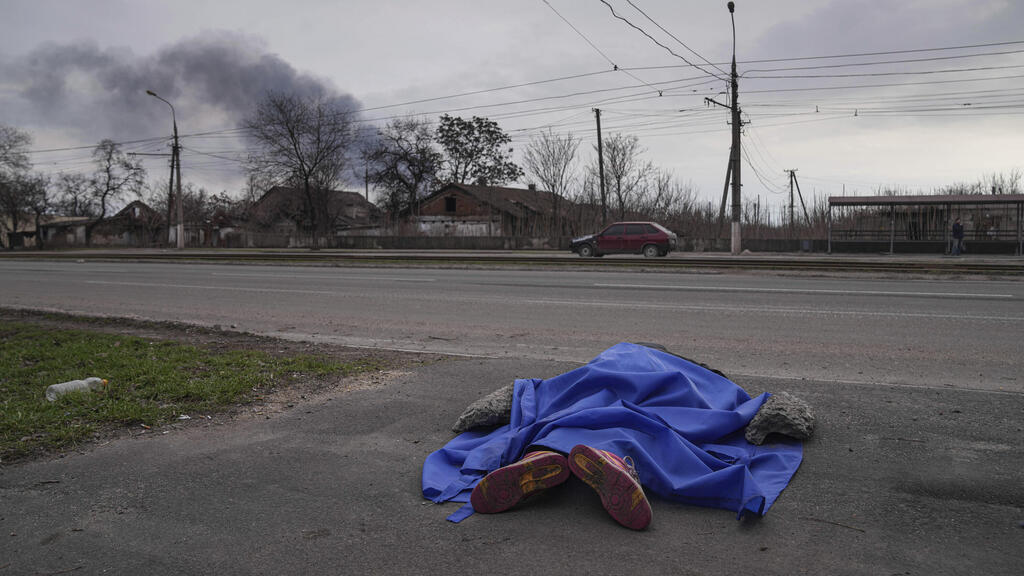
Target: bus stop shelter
[(992, 222)]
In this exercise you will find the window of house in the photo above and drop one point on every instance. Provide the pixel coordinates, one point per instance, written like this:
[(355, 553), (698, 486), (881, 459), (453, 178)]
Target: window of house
[(449, 204)]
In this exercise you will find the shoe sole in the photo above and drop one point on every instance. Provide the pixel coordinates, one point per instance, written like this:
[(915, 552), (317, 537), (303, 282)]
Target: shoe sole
[(506, 487), (621, 495)]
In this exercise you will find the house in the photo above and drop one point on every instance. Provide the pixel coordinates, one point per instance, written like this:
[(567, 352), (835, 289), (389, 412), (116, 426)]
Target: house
[(135, 225), (473, 210), (280, 218)]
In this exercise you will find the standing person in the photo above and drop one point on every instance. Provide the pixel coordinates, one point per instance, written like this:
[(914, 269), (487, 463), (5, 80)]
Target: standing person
[(958, 237)]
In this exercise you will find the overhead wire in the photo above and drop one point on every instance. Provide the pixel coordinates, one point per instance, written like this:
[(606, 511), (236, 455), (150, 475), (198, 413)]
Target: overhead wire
[(672, 36), (615, 67), (655, 40)]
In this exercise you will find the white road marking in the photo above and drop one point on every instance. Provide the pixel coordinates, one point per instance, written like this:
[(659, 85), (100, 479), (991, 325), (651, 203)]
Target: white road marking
[(318, 277), (197, 287), (804, 291)]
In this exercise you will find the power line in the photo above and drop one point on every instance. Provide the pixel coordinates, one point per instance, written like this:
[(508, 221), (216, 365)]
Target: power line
[(653, 39), (672, 36), (899, 84), (615, 66), (884, 62), (904, 73), (886, 52)]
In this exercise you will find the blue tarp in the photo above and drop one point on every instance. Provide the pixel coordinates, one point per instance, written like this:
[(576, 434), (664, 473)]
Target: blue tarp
[(681, 423)]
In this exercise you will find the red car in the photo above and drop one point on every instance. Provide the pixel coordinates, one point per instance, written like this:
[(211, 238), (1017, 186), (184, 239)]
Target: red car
[(645, 238)]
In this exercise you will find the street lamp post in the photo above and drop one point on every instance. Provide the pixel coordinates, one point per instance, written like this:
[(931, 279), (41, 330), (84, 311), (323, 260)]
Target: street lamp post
[(737, 205), (175, 164)]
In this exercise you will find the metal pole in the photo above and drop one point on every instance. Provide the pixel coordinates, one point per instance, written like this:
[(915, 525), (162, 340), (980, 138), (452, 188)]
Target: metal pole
[(892, 228), (600, 169), (1020, 212), (945, 227), (830, 228), (737, 241)]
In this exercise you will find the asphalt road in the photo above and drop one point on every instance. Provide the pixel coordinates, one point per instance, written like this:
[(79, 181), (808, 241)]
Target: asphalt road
[(895, 481), (914, 468), (893, 331)]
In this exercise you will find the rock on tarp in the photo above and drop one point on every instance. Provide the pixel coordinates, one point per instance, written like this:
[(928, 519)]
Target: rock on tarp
[(682, 425)]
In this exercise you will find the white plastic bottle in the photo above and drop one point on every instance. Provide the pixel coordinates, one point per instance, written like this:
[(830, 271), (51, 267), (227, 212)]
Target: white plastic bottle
[(57, 390)]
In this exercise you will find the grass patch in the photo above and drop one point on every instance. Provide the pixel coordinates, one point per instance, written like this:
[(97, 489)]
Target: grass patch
[(150, 382)]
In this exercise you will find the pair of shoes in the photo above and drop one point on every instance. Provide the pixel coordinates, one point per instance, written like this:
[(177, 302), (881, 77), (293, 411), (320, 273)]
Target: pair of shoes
[(613, 478)]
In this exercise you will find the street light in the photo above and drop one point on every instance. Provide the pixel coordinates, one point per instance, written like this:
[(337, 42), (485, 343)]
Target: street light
[(737, 206), (175, 163)]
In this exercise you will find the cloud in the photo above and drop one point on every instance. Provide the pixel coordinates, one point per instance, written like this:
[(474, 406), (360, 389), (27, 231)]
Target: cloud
[(848, 26), (213, 79)]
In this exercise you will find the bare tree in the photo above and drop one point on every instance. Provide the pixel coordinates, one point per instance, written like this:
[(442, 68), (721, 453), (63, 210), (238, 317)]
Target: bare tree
[(14, 145), (116, 175), (403, 162), (14, 167), (551, 160), (73, 195), (304, 141), (624, 170)]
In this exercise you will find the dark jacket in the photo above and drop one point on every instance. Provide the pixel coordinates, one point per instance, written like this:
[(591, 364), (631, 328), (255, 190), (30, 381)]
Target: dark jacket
[(958, 230)]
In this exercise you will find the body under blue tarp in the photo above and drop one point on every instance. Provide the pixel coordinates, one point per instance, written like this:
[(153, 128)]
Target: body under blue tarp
[(682, 424)]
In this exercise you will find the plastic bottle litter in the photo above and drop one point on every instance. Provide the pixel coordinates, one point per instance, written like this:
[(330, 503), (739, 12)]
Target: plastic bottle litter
[(57, 390)]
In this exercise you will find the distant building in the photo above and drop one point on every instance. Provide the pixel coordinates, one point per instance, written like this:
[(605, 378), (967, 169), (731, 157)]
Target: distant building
[(136, 225), (281, 218), (471, 210)]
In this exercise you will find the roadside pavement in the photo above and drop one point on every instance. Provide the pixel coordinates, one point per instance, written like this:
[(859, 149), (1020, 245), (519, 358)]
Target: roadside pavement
[(896, 480)]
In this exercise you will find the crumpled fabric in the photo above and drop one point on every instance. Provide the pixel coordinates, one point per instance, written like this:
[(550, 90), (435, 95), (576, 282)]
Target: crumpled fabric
[(680, 423)]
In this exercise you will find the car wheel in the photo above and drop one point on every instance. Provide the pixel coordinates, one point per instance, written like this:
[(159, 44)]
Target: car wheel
[(651, 251), (586, 251)]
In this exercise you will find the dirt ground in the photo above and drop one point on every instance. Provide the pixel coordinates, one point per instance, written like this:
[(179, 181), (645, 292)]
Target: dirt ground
[(293, 395)]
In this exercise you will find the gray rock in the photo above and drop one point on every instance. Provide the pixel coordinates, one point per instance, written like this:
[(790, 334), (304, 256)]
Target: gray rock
[(784, 414), (495, 409)]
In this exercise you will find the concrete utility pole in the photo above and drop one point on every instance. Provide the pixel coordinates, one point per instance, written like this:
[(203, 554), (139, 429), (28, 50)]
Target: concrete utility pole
[(737, 204), (175, 166), (600, 169), (792, 222), (793, 180)]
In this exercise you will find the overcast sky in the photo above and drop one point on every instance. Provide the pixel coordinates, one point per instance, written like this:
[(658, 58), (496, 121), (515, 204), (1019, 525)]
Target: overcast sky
[(75, 72)]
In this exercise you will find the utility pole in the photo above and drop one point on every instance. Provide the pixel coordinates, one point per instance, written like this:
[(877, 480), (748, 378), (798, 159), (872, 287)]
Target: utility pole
[(170, 198), (737, 242), (177, 160), (791, 222), (600, 169), (175, 166), (793, 180), (735, 152)]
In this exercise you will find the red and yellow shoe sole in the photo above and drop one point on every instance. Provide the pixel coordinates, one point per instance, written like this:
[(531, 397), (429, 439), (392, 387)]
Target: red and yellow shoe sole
[(505, 487), (621, 494)]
